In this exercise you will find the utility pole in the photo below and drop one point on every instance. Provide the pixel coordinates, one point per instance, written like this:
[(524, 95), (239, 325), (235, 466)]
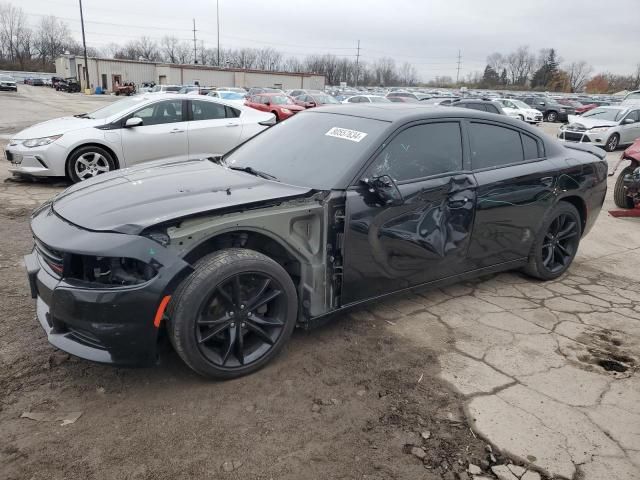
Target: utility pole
[(357, 64), (459, 60), (218, 27), (195, 50), (84, 46)]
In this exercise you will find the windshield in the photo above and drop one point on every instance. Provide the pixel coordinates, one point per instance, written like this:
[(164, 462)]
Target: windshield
[(633, 96), (325, 99), (231, 95), (116, 107), (280, 100), (519, 104), (610, 114), (309, 149), (379, 100)]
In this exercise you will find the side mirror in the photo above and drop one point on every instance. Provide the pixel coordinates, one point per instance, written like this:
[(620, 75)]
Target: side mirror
[(385, 189), (133, 122), (309, 104), (542, 103), (268, 104), (628, 121)]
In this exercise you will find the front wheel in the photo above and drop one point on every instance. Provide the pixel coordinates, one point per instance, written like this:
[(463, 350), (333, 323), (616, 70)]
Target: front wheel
[(88, 162), (620, 197), (233, 314), (612, 143), (552, 117), (556, 244)]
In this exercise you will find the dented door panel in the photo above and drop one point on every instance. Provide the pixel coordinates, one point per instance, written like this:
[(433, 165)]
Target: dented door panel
[(388, 248)]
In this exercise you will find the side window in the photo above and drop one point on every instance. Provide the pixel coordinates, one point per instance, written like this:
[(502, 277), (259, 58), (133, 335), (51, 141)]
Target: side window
[(354, 100), (530, 147), (528, 101), (491, 108), (420, 151), (635, 115), (162, 112), (232, 112), (207, 110), (476, 106), (494, 146)]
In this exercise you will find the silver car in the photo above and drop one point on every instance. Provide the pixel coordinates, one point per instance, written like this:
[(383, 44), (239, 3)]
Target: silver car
[(607, 127)]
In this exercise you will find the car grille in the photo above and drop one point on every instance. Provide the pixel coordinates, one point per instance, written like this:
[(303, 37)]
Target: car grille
[(53, 258), (576, 137)]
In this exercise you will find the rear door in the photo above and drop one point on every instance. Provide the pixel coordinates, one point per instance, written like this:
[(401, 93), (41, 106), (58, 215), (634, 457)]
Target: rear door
[(212, 130), (391, 247), (162, 135), (516, 185)]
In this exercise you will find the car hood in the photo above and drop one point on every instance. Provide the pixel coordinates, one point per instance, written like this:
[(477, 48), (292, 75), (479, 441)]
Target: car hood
[(57, 126), (293, 108), (132, 199), (587, 123)]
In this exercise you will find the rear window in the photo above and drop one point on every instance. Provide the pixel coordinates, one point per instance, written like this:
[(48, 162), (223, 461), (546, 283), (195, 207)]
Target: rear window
[(494, 146)]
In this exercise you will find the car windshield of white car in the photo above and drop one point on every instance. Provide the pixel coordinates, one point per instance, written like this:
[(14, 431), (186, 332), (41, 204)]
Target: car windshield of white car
[(609, 114), (520, 104), (116, 107), (320, 148)]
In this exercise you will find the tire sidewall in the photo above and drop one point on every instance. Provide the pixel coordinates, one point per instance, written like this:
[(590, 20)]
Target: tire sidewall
[(619, 195), (536, 255), (552, 117), (71, 172), (607, 146), (200, 285)]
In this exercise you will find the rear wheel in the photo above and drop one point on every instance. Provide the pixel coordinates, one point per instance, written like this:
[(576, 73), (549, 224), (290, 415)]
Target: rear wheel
[(556, 244), (620, 197), (233, 314), (88, 162), (612, 143)]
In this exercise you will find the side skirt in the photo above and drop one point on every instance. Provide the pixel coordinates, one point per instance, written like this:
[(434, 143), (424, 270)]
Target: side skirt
[(500, 267)]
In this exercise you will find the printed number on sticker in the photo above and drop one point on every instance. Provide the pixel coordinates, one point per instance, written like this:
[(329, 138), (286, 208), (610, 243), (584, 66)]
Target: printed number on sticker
[(346, 134)]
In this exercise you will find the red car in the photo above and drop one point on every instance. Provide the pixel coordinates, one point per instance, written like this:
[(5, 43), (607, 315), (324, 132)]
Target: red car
[(280, 105), (626, 193)]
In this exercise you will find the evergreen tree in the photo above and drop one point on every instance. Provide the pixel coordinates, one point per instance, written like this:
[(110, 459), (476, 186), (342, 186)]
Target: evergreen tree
[(504, 80), (490, 77)]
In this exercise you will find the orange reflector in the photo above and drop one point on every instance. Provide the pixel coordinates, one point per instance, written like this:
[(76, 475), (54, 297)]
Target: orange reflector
[(161, 309)]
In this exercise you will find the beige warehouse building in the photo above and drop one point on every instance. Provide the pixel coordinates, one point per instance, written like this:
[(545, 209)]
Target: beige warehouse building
[(107, 72)]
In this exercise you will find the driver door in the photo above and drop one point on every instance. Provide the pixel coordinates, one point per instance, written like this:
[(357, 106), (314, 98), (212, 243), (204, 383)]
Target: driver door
[(162, 135), (426, 237), (630, 131)]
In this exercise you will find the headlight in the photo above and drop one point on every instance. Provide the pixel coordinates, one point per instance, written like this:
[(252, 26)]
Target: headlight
[(39, 142), (285, 110), (109, 271), (562, 110), (598, 129)]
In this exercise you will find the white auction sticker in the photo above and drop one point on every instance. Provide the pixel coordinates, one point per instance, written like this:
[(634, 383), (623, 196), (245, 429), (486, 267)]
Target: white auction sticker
[(346, 134)]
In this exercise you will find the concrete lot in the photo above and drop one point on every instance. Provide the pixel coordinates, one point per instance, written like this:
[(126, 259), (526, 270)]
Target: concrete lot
[(546, 373)]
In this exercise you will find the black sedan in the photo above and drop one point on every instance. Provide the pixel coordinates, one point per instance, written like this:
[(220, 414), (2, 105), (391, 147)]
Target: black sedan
[(230, 254)]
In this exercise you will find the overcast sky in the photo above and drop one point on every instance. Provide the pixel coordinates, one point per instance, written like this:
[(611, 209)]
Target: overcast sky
[(428, 33)]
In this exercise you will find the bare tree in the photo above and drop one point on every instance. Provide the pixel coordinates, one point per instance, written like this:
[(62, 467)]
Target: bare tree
[(268, 59), (579, 73), (147, 49), (408, 74), (52, 38), (519, 65), (13, 29), (496, 61), (169, 47)]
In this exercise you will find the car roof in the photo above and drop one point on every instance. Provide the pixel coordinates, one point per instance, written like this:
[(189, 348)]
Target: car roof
[(401, 113)]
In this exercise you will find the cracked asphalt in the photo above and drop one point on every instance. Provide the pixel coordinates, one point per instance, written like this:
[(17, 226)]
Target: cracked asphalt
[(547, 372)]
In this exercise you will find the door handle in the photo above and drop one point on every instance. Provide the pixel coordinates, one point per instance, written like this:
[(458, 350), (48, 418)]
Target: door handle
[(233, 125), (176, 130), (546, 181)]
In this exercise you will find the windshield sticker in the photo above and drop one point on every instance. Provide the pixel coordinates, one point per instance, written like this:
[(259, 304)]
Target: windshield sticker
[(346, 134)]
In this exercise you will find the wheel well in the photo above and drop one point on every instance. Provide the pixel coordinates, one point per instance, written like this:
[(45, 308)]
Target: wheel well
[(252, 241), (580, 206), (104, 147)]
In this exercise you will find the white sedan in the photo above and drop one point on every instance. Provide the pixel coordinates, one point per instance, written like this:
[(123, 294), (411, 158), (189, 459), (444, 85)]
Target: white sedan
[(519, 109), (130, 131)]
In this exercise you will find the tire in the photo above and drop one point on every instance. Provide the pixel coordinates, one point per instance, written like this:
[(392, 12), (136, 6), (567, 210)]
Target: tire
[(552, 116), (216, 337), (88, 162), (550, 243), (620, 197), (117, 93), (276, 115), (612, 143)]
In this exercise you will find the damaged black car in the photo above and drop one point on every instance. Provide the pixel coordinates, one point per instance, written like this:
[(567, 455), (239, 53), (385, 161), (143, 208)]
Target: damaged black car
[(325, 211)]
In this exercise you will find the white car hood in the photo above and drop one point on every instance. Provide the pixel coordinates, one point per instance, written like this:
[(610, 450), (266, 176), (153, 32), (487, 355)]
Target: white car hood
[(590, 123), (57, 126)]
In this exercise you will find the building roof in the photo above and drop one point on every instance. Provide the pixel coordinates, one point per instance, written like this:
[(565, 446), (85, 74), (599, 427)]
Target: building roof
[(196, 66)]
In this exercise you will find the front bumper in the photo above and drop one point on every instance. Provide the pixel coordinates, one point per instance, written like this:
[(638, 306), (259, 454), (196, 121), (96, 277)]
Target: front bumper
[(9, 87), (596, 139), (46, 161), (100, 323)]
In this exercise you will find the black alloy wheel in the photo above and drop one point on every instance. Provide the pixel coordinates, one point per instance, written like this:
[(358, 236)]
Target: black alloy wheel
[(241, 320), (560, 243), (556, 244), (233, 314)]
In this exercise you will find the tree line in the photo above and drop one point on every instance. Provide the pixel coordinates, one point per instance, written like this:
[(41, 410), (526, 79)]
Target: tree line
[(546, 71)]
